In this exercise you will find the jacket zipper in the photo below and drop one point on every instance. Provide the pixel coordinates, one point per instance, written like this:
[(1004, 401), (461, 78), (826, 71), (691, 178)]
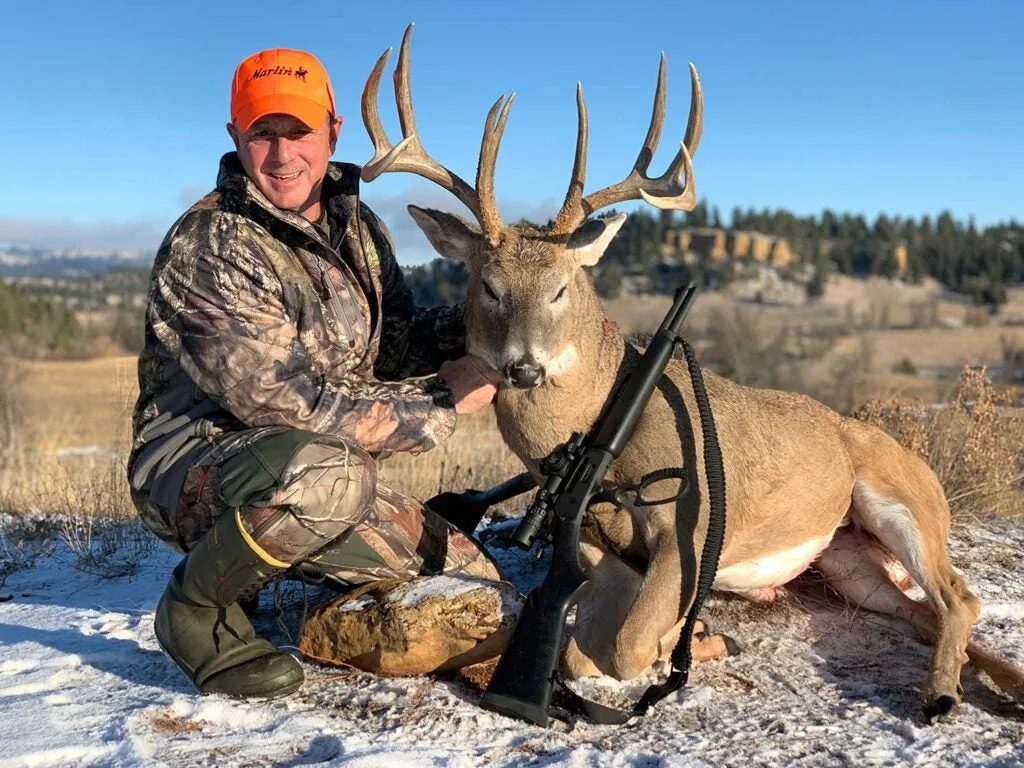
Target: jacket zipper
[(334, 299), (377, 296), (339, 308)]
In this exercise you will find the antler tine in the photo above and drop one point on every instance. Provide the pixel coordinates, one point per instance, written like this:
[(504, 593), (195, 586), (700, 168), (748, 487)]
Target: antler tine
[(408, 155), (403, 93), (681, 166), (371, 121), (643, 160), (571, 213), (494, 127), (668, 191), (695, 124)]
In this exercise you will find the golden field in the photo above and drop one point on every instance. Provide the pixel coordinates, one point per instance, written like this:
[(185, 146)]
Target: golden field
[(71, 452), (68, 453)]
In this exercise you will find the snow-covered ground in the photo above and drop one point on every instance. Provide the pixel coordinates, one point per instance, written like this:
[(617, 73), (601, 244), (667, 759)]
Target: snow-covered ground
[(82, 682)]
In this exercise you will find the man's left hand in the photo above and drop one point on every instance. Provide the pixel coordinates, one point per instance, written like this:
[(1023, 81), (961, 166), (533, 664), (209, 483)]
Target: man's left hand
[(472, 382)]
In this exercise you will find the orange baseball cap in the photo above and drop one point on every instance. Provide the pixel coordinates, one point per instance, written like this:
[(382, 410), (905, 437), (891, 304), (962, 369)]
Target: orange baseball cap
[(281, 80)]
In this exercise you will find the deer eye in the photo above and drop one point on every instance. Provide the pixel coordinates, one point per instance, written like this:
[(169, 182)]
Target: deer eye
[(490, 291), (560, 294)]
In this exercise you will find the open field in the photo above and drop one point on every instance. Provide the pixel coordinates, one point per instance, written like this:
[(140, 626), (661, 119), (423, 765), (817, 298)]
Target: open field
[(75, 434), (78, 432)]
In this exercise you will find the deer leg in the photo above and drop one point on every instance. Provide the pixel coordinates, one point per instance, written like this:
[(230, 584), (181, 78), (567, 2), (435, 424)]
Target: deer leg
[(897, 517), (610, 591), (653, 614), (705, 646), (859, 568), (852, 567)]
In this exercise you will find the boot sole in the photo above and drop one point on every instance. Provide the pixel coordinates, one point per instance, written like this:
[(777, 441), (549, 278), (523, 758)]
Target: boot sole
[(263, 695), (285, 690)]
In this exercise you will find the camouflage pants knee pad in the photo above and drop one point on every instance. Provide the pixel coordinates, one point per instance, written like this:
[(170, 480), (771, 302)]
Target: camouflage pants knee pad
[(298, 490), (303, 494)]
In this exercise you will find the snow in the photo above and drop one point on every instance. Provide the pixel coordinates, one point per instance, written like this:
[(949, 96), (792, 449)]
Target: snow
[(82, 682), (436, 587), (358, 604)]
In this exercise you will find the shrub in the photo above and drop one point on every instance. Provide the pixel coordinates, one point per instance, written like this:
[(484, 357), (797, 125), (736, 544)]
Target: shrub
[(905, 366), (974, 443)]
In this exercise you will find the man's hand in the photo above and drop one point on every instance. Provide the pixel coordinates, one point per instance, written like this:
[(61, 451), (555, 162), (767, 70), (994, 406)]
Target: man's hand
[(472, 382)]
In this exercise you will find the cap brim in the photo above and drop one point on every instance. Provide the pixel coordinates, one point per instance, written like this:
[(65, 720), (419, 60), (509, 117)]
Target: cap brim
[(306, 110)]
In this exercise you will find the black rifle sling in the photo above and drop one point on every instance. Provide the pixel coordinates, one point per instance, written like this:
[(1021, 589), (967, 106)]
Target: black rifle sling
[(682, 657)]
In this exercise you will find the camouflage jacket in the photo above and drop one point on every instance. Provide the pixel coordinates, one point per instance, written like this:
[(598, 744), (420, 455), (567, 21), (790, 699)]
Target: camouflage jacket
[(254, 319)]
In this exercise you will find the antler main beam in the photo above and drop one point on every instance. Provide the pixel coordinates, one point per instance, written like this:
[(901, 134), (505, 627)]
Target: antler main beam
[(409, 156), (672, 190)]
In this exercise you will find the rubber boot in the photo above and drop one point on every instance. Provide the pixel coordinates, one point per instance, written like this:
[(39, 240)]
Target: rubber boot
[(200, 625)]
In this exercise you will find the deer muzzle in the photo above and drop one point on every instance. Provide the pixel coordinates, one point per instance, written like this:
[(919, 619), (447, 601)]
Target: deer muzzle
[(524, 374)]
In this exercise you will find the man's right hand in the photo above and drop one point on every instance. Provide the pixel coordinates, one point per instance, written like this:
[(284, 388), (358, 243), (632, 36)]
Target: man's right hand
[(472, 382)]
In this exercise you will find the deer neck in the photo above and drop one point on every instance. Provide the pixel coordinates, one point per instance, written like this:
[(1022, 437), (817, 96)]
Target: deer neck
[(533, 422)]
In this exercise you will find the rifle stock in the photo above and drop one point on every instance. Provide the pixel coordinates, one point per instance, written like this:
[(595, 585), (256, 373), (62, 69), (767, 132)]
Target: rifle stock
[(522, 682)]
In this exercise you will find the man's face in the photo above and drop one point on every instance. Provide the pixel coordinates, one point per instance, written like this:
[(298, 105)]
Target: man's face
[(287, 160)]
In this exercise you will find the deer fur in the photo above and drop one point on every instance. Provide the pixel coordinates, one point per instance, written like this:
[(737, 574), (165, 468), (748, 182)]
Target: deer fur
[(805, 486)]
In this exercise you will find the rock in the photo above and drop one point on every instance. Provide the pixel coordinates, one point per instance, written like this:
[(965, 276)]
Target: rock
[(428, 624), (478, 675)]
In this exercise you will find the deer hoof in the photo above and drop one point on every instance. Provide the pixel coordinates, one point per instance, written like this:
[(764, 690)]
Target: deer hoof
[(576, 664), (939, 707), (731, 646)]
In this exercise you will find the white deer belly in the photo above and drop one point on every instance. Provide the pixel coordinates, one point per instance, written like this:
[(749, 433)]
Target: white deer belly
[(757, 578)]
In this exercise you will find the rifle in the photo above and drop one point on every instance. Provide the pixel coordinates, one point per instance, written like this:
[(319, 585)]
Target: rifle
[(522, 682), (465, 510)]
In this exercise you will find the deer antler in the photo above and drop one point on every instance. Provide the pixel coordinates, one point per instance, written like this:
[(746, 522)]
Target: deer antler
[(667, 191), (409, 156)]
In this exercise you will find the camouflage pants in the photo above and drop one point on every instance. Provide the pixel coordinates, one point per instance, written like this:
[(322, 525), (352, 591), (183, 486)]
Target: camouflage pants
[(315, 501)]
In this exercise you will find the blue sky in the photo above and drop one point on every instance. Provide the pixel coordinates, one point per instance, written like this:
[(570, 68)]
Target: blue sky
[(114, 112)]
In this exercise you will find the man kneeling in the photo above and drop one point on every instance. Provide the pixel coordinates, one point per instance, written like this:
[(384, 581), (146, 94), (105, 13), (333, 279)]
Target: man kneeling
[(283, 353)]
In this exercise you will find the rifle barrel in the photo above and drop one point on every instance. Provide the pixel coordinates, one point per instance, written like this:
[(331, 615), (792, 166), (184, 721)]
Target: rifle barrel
[(629, 405)]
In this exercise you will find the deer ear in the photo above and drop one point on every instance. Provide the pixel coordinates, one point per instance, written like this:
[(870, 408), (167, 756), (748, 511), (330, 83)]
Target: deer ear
[(452, 237), (588, 243)]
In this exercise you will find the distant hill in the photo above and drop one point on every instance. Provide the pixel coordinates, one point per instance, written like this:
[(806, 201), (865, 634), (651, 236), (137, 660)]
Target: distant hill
[(20, 262)]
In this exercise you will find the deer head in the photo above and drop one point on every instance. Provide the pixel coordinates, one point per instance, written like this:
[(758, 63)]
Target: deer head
[(528, 297)]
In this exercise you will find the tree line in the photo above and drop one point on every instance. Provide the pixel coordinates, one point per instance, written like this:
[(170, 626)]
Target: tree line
[(980, 263), (44, 319), (73, 318)]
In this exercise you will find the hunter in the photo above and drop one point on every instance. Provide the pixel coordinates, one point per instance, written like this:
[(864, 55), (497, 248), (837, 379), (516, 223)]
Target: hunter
[(283, 356)]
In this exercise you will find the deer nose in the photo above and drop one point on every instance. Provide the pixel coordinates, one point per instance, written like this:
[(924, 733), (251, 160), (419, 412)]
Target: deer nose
[(524, 375)]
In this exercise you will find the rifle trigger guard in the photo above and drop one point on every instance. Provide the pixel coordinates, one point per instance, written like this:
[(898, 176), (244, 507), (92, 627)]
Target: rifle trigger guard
[(637, 489)]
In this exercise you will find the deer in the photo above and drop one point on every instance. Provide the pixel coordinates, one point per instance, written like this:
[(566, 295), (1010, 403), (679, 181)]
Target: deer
[(807, 488)]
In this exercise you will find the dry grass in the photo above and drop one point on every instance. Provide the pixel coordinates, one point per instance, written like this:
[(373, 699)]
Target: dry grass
[(80, 403), (973, 442), (168, 723), (475, 457), (107, 548), (935, 348), (64, 426), (70, 456), (74, 439)]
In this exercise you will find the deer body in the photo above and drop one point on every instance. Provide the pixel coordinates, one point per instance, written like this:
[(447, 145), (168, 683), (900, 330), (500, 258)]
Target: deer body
[(805, 486), (772, 471)]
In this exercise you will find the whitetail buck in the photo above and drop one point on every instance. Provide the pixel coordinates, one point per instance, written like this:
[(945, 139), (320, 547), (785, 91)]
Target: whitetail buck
[(806, 487)]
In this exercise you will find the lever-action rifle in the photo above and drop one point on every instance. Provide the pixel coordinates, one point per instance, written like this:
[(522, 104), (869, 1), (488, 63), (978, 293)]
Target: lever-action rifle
[(522, 682)]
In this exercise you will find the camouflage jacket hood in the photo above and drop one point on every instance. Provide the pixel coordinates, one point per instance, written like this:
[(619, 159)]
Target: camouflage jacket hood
[(254, 319)]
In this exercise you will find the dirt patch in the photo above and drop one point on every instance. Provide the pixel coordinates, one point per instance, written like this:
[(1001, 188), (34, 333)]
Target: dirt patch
[(167, 722)]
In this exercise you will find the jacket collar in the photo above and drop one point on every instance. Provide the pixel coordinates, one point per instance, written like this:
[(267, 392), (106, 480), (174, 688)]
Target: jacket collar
[(339, 196)]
